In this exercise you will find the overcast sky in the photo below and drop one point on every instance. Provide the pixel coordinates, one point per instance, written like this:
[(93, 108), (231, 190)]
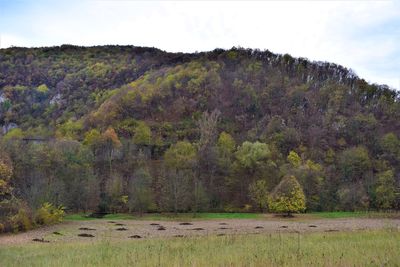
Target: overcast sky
[(362, 35)]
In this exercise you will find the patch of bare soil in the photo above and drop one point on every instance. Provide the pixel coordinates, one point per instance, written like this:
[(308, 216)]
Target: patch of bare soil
[(157, 229)]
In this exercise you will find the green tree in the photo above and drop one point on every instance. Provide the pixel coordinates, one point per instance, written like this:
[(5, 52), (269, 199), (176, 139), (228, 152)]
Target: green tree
[(179, 160), (226, 144), (251, 155), (253, 162), (287, 197), (142, 134), (226, 147), (390, 145), (354, 163), (258, 191), (141, 197), (386, 190)]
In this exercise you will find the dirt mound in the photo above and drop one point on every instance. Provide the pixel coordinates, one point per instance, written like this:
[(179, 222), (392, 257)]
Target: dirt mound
[(186, 223), (135, 236), (57, 233), (85, 235), (121, 229), (156, 224), (312, 225), (161, 228), (283, 226), (120, 224), (40, 240), (87, 229), (198, 229)]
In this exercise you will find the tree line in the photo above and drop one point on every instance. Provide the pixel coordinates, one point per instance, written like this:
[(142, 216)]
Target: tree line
[(107, 173)]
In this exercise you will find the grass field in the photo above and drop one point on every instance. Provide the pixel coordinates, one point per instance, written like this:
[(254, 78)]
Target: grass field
[(210, 216), (366, 248)]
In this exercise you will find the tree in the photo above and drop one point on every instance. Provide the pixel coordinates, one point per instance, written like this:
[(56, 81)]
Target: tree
[(13, 213), (353, 196), (226, 147), (140, 193), (294, 159), (390, 146), (287, 197), (253, 162), (142, 134), (354, 163), (386, 190), (92, 139), (309, 175), (110, 142), (258, 191), (179, 160), (42, 88), (5, 176), (207, 156), (251, 155)]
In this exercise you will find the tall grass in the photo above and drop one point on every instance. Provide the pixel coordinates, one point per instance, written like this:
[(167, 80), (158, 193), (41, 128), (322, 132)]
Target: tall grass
[(370, 248)]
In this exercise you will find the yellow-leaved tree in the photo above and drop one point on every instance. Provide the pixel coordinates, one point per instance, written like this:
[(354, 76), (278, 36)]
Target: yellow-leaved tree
[(287, 197)]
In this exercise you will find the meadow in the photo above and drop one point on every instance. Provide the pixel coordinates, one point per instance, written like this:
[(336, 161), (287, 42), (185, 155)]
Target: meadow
[(361, 248)]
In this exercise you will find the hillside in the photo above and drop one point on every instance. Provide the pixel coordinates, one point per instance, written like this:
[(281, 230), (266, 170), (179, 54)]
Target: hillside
[(129, 128)]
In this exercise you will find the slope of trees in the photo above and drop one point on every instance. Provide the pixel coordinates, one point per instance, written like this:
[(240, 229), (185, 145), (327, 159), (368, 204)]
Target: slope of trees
[(121, 128)]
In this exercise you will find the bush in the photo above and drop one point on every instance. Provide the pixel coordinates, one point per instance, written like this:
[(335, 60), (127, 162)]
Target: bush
[(48, 214), (21, 221)]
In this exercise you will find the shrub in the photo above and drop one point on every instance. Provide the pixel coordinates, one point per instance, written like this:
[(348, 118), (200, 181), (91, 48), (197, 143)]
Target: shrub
[(21, 221), (48, 214)]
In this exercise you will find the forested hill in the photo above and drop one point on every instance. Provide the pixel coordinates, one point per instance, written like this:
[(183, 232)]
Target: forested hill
[(242, 116), (69, 90)]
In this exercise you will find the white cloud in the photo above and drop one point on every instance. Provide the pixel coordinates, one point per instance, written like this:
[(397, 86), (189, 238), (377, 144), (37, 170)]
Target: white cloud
[(349, 33)]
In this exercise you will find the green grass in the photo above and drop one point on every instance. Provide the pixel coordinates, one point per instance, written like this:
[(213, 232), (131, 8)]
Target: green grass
[(211, 216), (354, 214), (167, 216), (370, 248)]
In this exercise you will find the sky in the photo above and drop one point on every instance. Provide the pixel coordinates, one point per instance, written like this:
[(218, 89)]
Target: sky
[(362, 35)]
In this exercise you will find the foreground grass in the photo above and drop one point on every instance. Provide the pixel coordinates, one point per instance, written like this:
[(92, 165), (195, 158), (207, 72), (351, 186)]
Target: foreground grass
[(168, 216), (372, 248)]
